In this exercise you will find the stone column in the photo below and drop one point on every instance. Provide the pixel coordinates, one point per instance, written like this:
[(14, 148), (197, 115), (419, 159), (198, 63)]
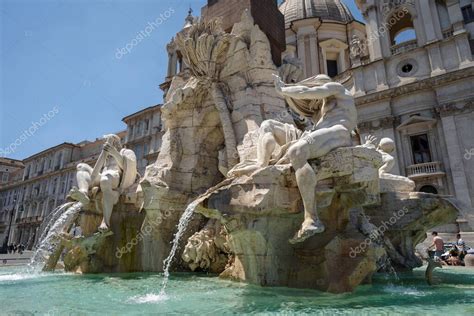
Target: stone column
[(301, 52), (456, 162), (455, 15), (428, 24), (358, 77), (380, 74), (463, 49), (342, 61), (57, 191), (436, 59), (313, 46), (324, 61), (373, 35), (174, 64)]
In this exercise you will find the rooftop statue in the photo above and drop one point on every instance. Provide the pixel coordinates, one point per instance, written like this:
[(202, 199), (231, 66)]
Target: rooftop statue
[(114, 172), (358, 48)]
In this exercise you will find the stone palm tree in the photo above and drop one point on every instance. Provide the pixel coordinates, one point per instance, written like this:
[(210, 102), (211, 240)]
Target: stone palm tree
[(204, 48)]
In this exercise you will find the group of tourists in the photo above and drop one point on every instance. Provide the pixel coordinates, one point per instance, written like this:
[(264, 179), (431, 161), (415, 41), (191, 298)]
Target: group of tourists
[(20, 248), (450, 253)]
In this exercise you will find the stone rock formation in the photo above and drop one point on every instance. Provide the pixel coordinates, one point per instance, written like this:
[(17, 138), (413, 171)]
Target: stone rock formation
[(261, 212), (200, 141), (208, 249), (217, 111), (403, 218)]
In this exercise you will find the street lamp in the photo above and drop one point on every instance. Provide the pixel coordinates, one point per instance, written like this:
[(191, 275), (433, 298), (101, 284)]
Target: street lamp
[(4, 248)]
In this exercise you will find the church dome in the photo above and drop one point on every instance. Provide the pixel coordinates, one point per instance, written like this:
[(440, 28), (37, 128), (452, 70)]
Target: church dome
[(327, 10)]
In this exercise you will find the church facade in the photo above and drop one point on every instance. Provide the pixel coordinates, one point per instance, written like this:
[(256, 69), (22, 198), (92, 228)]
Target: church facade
[(410, 67)]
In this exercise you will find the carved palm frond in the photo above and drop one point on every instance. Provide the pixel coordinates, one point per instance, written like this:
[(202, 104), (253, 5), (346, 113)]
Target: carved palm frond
[(204, 48)]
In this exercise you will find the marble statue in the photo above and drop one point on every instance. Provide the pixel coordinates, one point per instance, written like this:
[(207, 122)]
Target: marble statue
[(114, 171), (332, 110), (389, 181), (358, 48)]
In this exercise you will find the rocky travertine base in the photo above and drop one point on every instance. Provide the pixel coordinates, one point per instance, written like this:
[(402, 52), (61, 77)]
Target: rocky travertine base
[(208, 249), (262, 212), (118, 250), (403, 218), (194, 156)]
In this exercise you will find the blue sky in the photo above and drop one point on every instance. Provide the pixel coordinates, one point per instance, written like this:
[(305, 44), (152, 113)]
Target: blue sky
[(60, 78)]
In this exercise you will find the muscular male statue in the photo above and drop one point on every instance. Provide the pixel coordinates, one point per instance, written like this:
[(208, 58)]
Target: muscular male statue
[(114, 171), (332, 109)]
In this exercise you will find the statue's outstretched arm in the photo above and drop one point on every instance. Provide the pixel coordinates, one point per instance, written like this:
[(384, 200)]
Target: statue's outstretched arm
[(302, 92)]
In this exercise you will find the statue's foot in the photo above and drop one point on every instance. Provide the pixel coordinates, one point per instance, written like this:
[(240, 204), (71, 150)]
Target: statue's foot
[(103, 228), (307, 230), (79, 196)]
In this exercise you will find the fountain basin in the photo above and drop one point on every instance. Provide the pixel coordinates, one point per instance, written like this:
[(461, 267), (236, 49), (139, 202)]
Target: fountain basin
[(132, 294), (263, 211)]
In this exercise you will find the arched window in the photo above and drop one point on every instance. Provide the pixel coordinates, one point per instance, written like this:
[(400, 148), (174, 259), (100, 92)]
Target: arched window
[(429, 189), (402, 32)]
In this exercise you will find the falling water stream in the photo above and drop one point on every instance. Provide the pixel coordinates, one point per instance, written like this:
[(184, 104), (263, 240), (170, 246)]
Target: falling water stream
[(49, 245), (182, 225), (51, 219)]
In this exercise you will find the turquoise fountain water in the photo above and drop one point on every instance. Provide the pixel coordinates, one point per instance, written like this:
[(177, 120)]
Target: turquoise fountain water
[(64, 294), (181, 229)]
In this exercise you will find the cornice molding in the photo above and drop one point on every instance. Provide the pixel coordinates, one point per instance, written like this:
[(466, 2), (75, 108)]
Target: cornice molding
[(377, 124), (448, 109), (425, 84)]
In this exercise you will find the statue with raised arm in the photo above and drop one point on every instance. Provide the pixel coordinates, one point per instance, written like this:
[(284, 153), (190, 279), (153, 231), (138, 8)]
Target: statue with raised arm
[(114, 171), (332, 109)]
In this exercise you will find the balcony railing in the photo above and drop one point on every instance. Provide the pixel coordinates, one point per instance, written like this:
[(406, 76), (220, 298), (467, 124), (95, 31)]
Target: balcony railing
[(29, 220), (404, 47), (448, 32), (424, 169)]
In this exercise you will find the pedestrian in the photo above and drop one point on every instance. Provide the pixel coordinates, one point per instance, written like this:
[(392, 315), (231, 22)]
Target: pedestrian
[(460, 243), (438, 243)]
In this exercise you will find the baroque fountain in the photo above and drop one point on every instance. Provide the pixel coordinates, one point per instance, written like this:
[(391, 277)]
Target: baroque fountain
[(241, 190)]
